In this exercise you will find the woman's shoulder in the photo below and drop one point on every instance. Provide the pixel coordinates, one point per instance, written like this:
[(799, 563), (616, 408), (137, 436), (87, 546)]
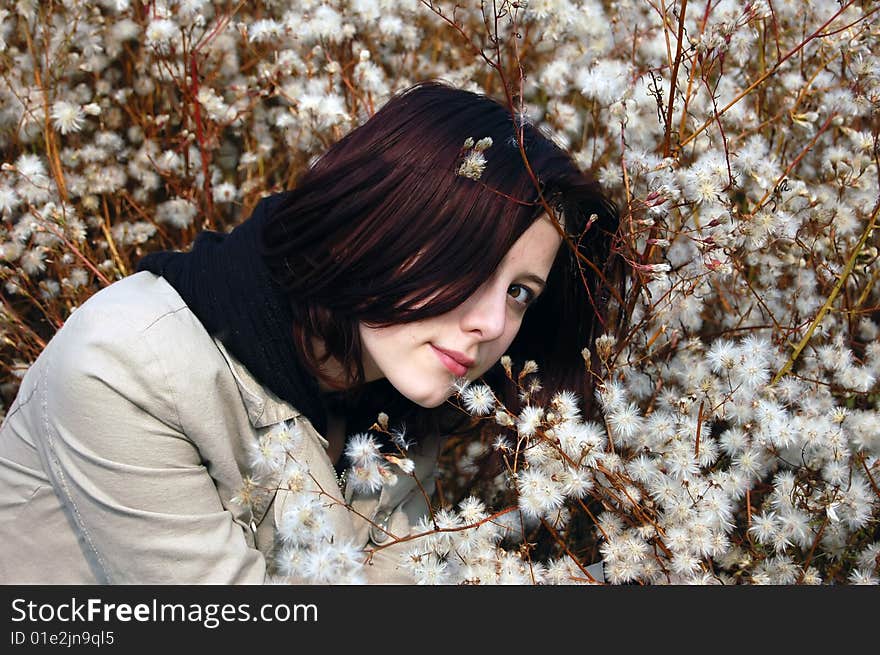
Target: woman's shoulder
[(141, 313), (138, 338), (138, 300), (142, 305)]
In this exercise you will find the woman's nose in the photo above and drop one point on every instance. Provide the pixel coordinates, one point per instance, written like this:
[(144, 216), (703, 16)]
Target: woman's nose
[(485, 312)]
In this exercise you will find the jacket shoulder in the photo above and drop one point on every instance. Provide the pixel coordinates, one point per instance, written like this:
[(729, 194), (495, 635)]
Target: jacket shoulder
[(135, 336), (137, 301), (142, 315), (142, 312)]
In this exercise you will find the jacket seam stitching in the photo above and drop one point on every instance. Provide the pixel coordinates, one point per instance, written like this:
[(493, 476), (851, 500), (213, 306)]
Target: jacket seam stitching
[(60, 471), (168, 313), (20, 404), (165, 377)]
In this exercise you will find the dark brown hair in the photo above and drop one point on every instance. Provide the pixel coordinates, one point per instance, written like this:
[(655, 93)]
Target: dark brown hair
[(382, 223)]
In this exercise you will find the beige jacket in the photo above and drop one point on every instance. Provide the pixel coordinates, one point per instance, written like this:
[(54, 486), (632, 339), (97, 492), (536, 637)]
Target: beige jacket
[(128, 441)]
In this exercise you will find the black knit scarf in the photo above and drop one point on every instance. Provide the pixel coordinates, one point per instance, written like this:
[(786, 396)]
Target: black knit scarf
[(225, 283)]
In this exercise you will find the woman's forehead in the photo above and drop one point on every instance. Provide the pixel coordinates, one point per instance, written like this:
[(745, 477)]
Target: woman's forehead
[(536, 248)]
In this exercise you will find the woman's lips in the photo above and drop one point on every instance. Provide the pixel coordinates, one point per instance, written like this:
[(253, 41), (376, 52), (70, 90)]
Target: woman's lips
[(451, 363)]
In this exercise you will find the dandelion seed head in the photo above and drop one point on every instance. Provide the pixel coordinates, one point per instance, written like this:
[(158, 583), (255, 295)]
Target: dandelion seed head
[(478, 400), (538, 493), (529, 420), (567, 405), (366, 478), (33, 260), (625, 422), (67, 117), (472, 510), (362, 449), (160, 32)]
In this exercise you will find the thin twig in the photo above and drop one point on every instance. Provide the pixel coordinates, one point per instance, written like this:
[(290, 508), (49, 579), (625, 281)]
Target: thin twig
[(830, 300), (674, 78)]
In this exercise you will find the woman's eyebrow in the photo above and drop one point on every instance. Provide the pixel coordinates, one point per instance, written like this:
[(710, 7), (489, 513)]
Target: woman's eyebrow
[(536, 279)]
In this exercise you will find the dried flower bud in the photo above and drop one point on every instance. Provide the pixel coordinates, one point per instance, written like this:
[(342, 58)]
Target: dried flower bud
[(587, 355), (473, 165), (403, 463), (482, 144), (503, 418), (382, 420), (605, 346)]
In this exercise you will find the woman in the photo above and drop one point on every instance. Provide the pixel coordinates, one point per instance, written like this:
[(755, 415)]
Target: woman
[(417, 251)]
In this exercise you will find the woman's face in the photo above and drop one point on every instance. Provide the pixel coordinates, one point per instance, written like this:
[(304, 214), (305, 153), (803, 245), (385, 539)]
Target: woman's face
[(422, 359)]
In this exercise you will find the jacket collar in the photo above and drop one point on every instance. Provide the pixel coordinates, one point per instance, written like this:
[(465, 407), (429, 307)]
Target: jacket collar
[(263, 407)]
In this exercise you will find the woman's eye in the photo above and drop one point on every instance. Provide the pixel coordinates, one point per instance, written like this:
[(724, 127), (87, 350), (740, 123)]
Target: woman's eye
[(521, 294)]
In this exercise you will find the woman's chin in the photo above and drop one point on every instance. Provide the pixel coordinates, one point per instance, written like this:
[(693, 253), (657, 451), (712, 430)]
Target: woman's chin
[(432, 403), (429, 399)]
